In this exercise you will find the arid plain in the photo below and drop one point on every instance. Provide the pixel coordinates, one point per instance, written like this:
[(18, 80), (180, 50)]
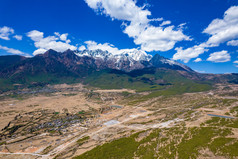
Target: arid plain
[(64, 121)]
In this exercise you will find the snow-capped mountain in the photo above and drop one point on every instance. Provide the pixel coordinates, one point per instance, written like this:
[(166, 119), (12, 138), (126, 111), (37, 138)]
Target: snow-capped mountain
[(134, 54), (130, 59), (137, 55), (126, 60), (82, 63), (94, 53)]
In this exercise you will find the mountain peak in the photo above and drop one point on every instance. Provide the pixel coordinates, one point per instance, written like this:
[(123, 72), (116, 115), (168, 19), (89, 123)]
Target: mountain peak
[(50, 52), (137, 55), (132, 54), (68, 50), (160, 61)]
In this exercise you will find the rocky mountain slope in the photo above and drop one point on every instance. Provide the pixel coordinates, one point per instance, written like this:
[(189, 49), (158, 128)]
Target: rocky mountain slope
[(131, 60), (6, 61), (101, 68), (82, 63)]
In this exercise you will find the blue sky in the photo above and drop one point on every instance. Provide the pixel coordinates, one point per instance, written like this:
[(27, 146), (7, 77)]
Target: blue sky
[(205, 31)]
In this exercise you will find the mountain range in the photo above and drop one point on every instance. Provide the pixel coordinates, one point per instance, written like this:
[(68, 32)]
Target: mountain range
[(72, 61), (128, 69)]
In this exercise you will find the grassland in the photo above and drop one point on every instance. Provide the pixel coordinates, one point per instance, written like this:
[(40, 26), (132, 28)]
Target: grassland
[(160, 82)]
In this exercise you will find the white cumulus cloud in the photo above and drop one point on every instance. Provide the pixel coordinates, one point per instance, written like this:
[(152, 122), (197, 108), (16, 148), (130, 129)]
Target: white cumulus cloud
[(233, 43), (35, 35), (18, 37), (63, 37), (55, 42), (222, 30), (5, 32), (221, 56), (92, 45), (120, 9), (165, 23), (198, 60), (39, 51), (236, 62), (186, 55), (158, 38), (13, 51), (137, 24), (81, 48)]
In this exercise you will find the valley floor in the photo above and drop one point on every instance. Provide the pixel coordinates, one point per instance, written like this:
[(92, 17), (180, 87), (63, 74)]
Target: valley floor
[(74, 121)]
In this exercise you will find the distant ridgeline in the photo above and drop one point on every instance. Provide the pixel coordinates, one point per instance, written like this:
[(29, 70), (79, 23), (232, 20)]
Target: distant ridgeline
[(135, 70)]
